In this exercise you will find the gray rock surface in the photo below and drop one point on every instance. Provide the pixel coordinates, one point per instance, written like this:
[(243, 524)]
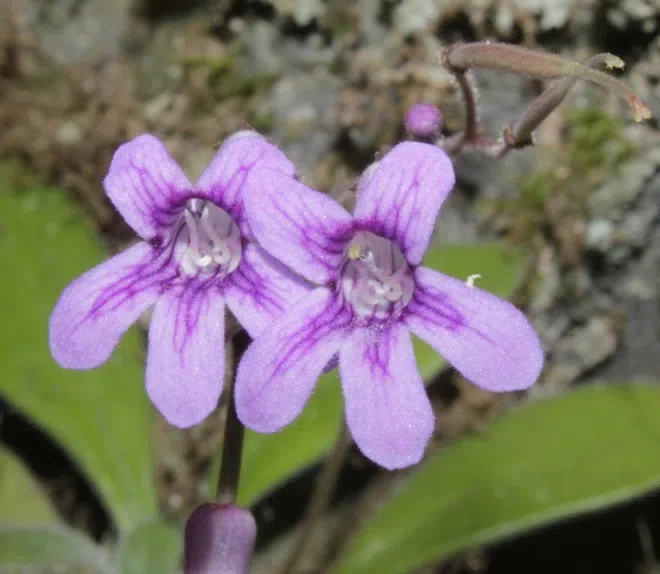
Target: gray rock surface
[(77, 31), (608, 329)]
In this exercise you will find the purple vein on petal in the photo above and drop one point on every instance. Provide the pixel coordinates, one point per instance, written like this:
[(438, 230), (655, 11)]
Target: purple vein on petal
[(160, 212), (402, 195), (231, 194), (486, 338), (377, 355), (142, 276), (192, 299), (334, 317), (322, 239), (249, 281), (300, 342), (393, 219), (435, 306), (261, 289)]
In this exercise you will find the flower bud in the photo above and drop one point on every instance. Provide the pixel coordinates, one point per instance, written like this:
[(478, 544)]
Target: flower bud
[(424, 120), (219, 539)]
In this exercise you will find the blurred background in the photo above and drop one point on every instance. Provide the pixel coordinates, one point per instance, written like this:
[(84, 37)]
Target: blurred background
[(562, 478)]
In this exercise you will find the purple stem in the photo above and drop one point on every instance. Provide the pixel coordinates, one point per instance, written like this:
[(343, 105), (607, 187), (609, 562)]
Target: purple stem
[(232, 442)]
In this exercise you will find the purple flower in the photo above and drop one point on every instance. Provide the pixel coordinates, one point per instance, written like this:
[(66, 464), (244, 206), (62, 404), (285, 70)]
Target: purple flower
[(372, 292), (219, 539), (424, 120), (197, 255)]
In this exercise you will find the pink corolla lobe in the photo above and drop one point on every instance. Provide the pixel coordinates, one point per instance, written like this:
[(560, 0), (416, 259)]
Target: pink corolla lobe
[(197, 255), (371, 293), (219, 539)]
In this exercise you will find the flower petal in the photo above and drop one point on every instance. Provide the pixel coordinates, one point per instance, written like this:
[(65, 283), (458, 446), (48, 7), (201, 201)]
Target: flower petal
[(305, 229), (400, 198), (486, 338), (186, 359), (278, 372), (146, 186), (95, 310), (387, 409), (224, 178), (261, 289)]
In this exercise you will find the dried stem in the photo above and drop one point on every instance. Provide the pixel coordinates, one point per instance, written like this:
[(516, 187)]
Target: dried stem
[(519, 133), (470, 133), (518, 60), (325, 487)]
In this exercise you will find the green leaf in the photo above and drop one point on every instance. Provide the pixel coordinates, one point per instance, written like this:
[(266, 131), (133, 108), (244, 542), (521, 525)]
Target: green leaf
[(581, 451), (268, 459), (101, 417), (50, 547), (155, 547), (500, 266), (22, 501)]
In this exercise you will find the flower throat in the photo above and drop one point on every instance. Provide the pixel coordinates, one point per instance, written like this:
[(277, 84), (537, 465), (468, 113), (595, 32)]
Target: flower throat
[(376, 279)]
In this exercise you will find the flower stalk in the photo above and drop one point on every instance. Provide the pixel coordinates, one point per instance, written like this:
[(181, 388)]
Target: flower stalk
[(232, 442), (220, 536), (470, 134)]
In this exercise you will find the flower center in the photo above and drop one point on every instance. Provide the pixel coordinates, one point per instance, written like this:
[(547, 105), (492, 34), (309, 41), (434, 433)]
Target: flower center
[(376, 280), (208, 241)]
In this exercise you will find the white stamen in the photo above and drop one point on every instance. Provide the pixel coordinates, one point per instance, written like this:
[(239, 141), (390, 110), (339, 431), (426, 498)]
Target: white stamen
[(376, 279), (471, 279), (194, 239), (210, 231), (393, 291), (205, 261), (202, 246), (221, 252)]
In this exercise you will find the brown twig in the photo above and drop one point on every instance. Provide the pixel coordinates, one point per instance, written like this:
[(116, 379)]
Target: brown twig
[(522, 61), (518, 134), (459, 59)]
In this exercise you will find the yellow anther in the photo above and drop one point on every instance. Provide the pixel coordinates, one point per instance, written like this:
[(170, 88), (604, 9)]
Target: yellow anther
[(354, 251)]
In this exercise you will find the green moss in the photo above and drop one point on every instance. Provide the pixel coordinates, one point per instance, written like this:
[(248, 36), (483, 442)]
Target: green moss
[(597, 142), (226, 80), (217, 65), (594, 151), (262, 122), (234, 84)]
